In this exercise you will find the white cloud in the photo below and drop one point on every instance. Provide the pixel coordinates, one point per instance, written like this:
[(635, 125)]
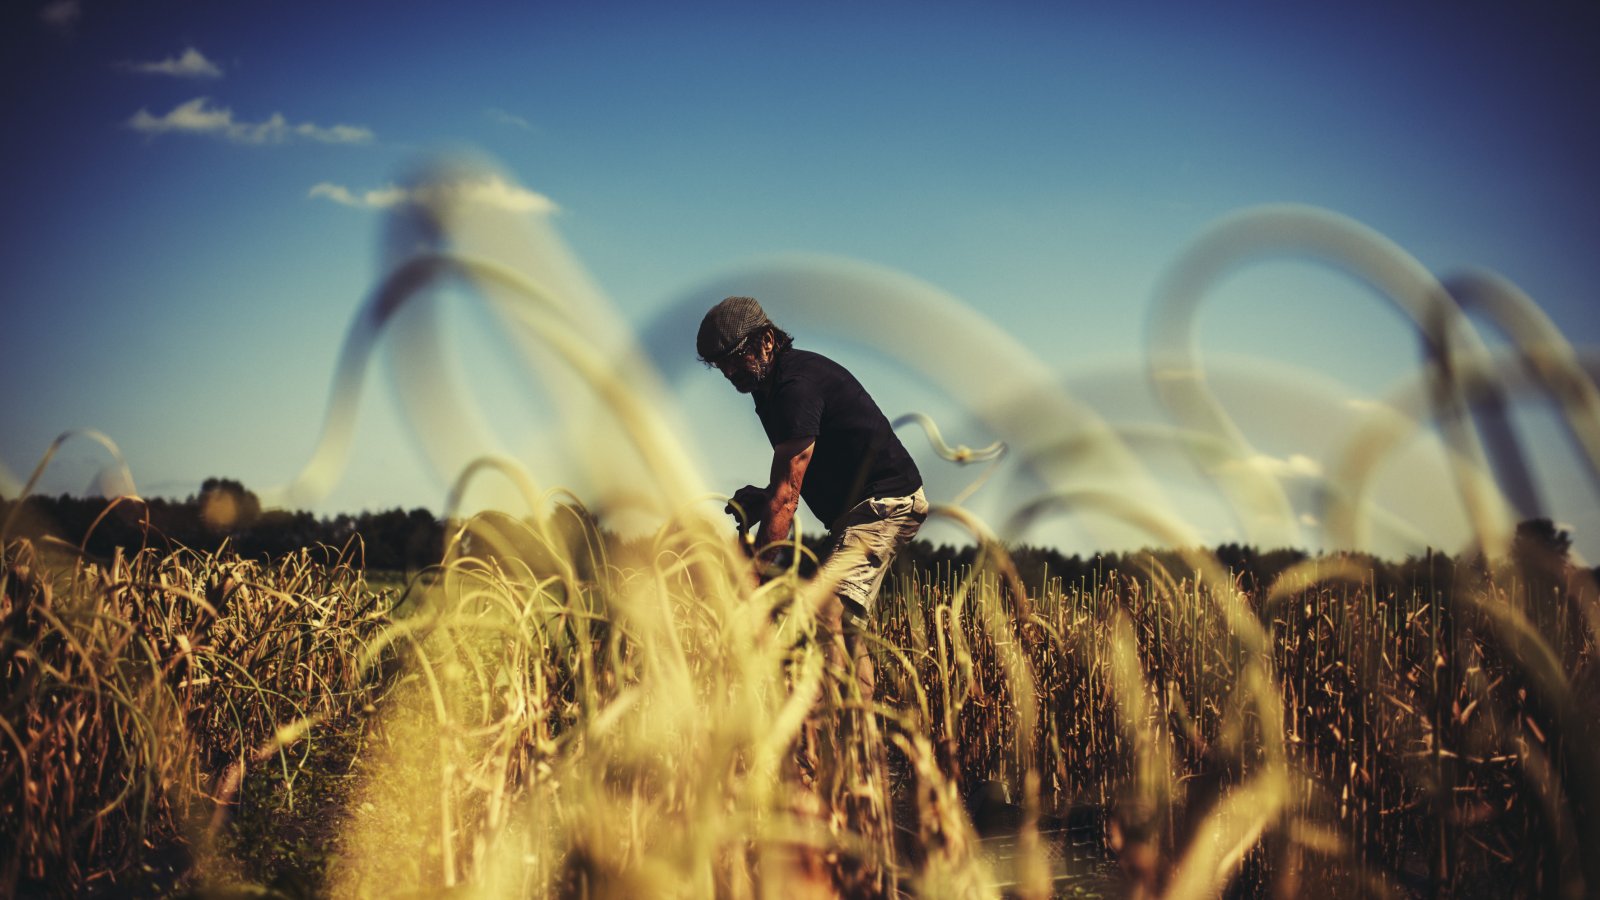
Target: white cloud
[(494, 191), (1295, 466), (198, 116), (1367, 407), (191, 64), (501, 117), (61, 14), (383, 198), (491, 191), (333, 134)]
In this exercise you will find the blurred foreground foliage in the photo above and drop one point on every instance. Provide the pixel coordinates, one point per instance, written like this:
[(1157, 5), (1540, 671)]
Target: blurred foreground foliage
[(181, 717)]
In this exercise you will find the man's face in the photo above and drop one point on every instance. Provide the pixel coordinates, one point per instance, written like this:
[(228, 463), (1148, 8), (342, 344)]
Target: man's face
[(748, 366)]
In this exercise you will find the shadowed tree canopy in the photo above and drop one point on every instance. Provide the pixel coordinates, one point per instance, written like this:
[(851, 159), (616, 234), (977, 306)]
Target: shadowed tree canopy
[(225, 511), (226, 506)]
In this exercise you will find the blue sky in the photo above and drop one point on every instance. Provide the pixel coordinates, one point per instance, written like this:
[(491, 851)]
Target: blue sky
[(182, 271)]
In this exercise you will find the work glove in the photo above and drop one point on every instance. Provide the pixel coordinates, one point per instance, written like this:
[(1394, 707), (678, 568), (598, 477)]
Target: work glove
[(748, 506)]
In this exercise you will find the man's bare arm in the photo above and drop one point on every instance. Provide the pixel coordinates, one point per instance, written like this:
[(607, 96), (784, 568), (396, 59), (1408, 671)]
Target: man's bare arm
[(789, 462)]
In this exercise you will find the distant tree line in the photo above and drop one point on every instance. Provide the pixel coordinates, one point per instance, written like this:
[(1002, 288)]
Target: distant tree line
[(225, 512), (1538, 560)]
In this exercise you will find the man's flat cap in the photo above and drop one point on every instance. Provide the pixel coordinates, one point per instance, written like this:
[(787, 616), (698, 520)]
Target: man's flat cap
[(728, 323)]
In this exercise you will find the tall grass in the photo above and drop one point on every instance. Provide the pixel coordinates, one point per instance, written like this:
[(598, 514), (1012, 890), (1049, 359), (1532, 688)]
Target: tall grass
[(516, 732), (545, 714), (141, 689)]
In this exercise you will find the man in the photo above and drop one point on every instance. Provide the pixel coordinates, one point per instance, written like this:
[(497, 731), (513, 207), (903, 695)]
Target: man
[(830, 445)]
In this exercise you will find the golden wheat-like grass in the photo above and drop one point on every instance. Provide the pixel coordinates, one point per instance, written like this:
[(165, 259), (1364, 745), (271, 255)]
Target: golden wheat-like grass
[(548, 714)]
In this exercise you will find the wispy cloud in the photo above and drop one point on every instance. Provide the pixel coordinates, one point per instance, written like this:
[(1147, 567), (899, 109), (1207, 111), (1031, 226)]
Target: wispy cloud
[(491, 191), (1363, 405), (382, 198), (190, 64), (198, 116), (1297, 465), (62, 15), (501, 117)]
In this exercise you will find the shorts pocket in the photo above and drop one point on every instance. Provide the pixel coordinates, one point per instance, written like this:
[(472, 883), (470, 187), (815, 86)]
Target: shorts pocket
[(889, 507), (915, 506)]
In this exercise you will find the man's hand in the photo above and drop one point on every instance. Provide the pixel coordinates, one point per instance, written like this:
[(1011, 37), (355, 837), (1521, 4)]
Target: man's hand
[(748, 506)]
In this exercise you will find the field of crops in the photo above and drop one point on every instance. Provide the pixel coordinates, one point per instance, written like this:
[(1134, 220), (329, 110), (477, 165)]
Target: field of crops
[(549, 716), (549, 712)]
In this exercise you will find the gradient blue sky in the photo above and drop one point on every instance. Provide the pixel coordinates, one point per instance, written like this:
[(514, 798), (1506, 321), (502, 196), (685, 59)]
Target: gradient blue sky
[(185, 290)]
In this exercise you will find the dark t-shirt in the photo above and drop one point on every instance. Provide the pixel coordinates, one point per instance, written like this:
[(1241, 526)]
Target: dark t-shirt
[(856, 456)]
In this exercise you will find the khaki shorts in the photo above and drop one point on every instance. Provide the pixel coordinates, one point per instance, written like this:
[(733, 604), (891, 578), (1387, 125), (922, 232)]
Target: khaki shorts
[(868, 536)]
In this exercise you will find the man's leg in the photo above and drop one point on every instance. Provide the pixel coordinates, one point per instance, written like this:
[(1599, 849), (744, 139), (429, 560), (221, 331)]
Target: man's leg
[(853, 572), (860, 651), (841, 634)]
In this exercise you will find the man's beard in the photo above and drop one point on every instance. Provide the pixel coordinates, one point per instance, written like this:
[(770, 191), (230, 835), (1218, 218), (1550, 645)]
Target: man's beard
[(750, 381)]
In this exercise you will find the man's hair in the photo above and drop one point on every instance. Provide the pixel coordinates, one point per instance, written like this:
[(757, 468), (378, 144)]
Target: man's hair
[(730, 325), (781, 341)]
